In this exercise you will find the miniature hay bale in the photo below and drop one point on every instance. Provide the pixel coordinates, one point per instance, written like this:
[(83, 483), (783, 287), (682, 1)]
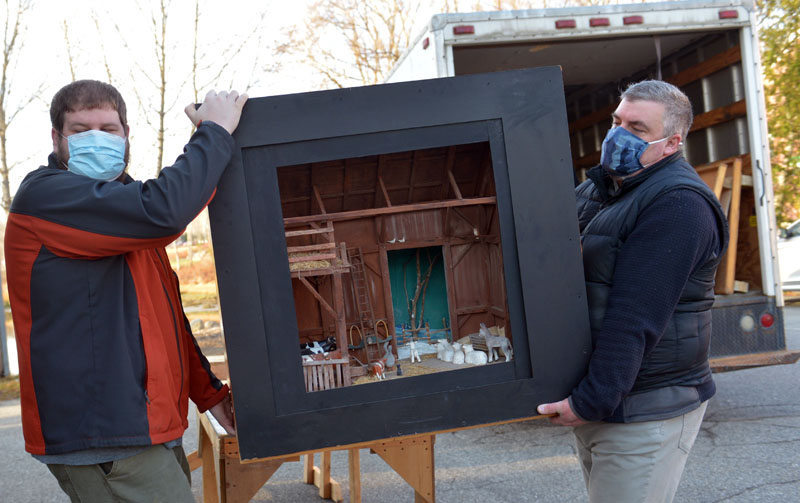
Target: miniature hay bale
[(308, 265)]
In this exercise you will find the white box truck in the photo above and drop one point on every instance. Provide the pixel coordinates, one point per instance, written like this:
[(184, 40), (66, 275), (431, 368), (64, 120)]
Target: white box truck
[(707, 48)]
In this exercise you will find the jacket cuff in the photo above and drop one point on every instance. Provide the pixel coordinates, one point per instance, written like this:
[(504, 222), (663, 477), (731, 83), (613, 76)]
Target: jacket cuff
[(213, 400), (216, 127), (575, 411)]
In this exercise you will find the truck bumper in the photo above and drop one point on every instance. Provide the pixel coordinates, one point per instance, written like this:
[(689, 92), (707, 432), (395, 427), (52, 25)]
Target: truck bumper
[(740, 362)]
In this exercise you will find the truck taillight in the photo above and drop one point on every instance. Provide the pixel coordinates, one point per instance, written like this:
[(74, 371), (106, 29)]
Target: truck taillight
[(599, 21), (565, 23), (633, 20), (767, 320), (464, 29), (426, 43), (728, 14)]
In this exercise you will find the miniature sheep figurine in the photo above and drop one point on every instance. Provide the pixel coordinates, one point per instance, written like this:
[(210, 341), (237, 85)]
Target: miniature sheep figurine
[(441, 347), (449, 352), (458, 354), (474, 357)]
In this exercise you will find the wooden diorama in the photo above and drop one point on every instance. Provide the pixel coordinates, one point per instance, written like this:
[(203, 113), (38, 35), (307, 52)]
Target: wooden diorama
[(355, 228), (365, 236)]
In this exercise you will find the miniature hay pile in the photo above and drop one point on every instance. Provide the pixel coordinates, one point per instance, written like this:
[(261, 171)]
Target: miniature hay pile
[(429, 365), (307, 265)]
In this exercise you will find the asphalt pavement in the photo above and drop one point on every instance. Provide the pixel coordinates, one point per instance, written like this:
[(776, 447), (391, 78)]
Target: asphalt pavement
[(748, 450)]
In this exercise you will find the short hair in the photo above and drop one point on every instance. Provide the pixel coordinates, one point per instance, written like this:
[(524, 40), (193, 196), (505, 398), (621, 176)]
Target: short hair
[(677, 107), (86, 95)]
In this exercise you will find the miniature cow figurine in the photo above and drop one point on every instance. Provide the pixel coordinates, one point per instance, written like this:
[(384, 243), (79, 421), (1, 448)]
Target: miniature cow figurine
[(316, 347), (495, 342), (376, 369)]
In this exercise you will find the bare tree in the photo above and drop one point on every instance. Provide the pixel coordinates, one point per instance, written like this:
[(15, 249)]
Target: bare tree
[(416, 303), (68, 47), (11, 104), (351, 42)]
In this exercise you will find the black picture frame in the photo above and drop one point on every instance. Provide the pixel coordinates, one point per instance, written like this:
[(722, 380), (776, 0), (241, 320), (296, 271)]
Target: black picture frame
[(523, 117)]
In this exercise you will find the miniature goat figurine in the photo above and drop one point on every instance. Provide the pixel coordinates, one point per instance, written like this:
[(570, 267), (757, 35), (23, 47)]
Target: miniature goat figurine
[(495, 342), (412, 346)]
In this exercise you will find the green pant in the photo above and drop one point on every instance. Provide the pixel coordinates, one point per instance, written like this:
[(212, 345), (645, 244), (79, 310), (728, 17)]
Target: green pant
[(157, 474)]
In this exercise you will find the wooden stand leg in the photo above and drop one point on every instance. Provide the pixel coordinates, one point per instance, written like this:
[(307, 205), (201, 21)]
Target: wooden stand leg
[(412, 459), (206, 452), (308, 468), (329, 489), (225, 478), (354, 462)]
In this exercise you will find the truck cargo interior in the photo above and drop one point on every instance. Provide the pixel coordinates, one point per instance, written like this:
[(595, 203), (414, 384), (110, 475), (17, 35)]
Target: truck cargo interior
[(707, 66)]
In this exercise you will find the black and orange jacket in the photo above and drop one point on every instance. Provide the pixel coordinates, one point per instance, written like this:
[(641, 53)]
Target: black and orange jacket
[(106, 356)]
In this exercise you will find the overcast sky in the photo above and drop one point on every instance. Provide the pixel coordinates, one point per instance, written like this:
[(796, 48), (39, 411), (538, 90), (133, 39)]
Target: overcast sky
[(126, 41)]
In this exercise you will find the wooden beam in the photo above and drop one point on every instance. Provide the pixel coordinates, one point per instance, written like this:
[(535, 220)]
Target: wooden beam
[(593, 118), (473, 310), (448, 166), (719, 115), (482, 183), (319, 297), (305, 232), (383, 190), (726, 273), (462, 255), (344, 182), (387, 288), (453, 184), (406, 208), (378, 173), (414, 160), (705, 68), (319, 199), (464, 218), (449, 278), (321, 246)]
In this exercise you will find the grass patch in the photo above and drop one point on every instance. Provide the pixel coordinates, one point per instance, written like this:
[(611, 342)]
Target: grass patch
[(9, 388)]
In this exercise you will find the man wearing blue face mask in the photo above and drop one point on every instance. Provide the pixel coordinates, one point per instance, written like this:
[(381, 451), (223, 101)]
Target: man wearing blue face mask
[(107, 359), (652, 235)]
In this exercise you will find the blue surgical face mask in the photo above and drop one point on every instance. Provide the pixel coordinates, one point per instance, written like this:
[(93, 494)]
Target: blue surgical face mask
[(96, 154), (622, 151)]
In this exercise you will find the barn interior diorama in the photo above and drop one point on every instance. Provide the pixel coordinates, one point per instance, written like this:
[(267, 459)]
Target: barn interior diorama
[(396, 264)]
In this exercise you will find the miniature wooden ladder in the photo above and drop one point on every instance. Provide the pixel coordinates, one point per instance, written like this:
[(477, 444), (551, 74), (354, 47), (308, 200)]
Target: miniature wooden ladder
[(366, 318)]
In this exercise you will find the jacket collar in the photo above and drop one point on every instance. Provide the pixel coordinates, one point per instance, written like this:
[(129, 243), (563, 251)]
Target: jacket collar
[(607, 188)]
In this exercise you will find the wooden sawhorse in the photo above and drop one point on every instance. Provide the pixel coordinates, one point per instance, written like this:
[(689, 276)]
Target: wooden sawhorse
[(228, 480)]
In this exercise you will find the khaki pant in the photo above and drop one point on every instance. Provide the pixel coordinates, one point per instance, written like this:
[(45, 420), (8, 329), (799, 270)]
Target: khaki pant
[(636, 462), (157, 474)]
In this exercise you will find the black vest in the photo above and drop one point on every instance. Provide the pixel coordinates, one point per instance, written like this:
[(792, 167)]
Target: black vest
[(667, 380)]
